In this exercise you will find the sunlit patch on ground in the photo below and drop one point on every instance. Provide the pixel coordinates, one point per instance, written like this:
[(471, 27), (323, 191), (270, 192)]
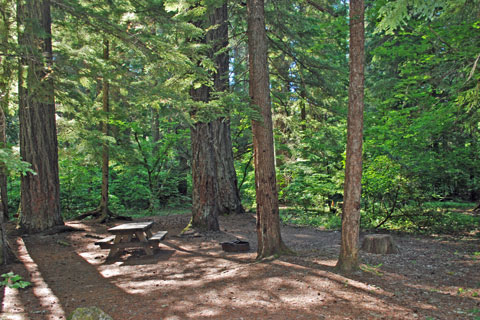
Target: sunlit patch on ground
[(192, 278)]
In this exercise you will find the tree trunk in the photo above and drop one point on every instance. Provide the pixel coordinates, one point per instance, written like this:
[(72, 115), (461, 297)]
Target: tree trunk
[(214, 178), (229, 196), (205, 209), (6, 73), (268, 220), (182, 186), (3, 169), (155, 132), (348, 259), (7, 254), (205, 204), (103, 207), (40, 192)]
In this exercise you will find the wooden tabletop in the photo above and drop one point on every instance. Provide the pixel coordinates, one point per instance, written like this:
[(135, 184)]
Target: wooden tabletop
[(136, 226)]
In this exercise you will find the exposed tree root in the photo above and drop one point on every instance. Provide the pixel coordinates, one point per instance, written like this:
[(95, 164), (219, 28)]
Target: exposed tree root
[(8, 254), (476, 209), (102, 218), (60, 229)]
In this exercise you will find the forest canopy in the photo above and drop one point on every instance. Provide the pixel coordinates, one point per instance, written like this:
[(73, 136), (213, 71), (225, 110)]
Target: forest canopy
[(421, 152)]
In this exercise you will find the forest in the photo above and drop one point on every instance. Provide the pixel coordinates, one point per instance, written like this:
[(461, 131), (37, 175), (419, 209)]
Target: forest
[(353, 116)]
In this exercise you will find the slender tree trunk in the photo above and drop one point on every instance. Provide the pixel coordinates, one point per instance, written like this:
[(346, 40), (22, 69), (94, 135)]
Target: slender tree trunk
[(348, 259), (229, 196), (40, 192), (104, 212), (182, 186), (6, 73), (303, 105), (155, 129), (268, 221), (3, 169), (155, 132)]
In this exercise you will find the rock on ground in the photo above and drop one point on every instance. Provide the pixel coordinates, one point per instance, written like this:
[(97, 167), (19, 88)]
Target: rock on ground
[(89, 313)]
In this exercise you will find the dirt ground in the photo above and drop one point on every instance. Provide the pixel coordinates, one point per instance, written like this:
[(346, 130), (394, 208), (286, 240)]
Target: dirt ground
[(190, 277)]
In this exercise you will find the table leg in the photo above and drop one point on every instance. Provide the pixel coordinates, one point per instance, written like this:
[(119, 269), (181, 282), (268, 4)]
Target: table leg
[(141, 237), (114, 250), (149, 233)]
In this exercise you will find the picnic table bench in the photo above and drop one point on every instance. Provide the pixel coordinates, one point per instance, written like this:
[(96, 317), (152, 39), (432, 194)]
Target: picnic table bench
[(131, 235)]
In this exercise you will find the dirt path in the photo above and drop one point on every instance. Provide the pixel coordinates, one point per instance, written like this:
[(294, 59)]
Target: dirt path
[(192, 278)]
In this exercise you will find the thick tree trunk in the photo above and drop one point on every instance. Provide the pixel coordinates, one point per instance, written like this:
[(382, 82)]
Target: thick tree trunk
[(348, 259), (205, 209), (103, 207), (7, 254), (268, 220), (229, 196), (205, 203), (215, 188), (40, 192)]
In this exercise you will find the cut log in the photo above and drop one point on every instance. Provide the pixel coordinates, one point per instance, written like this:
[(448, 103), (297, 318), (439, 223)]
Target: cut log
[(379, 244)]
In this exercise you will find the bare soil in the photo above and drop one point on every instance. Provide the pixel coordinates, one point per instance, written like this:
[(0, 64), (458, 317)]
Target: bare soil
[(191, 277)]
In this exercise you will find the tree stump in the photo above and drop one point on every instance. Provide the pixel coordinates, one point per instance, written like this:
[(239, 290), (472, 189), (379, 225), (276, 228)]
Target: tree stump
[(379, 244)]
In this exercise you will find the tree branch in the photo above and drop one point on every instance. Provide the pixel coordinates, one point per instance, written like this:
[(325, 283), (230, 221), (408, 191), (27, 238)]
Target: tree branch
[(321, 8)]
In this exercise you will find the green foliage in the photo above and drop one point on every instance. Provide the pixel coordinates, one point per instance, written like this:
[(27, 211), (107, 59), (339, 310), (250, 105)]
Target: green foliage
[(422, 138), (311, 218), (13, 280), (12, 162), (305, 188)]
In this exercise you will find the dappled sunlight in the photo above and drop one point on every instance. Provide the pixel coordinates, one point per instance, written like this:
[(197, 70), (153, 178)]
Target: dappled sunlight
[(193, 278), (12, 307), (48, 300)]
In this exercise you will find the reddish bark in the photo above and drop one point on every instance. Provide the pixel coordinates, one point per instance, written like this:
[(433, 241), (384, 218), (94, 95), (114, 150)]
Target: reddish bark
[(229, 196), (40, 192), (268, 221), (103, 207), (214, 178), (348, 259)]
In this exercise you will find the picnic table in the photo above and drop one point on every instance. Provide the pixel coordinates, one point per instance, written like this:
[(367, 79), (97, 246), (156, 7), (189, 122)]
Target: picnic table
[(131, 235)]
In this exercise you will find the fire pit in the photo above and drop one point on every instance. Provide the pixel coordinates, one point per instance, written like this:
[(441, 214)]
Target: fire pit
[(235, 246)]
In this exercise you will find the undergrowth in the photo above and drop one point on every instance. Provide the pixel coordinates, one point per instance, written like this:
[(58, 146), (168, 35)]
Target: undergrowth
[(432, 218)]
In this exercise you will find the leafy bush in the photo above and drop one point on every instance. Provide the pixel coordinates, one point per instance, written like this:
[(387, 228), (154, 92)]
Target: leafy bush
[(304, 187), (15, 281), (313, 219)]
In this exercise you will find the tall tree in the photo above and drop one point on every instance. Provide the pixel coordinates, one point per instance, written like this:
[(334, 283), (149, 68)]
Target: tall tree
[(40, 200), (215, 188), (205, 208), (6, 73), (103, 208), (228, 197), (268, 221), (205, 204), (348, 259)]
